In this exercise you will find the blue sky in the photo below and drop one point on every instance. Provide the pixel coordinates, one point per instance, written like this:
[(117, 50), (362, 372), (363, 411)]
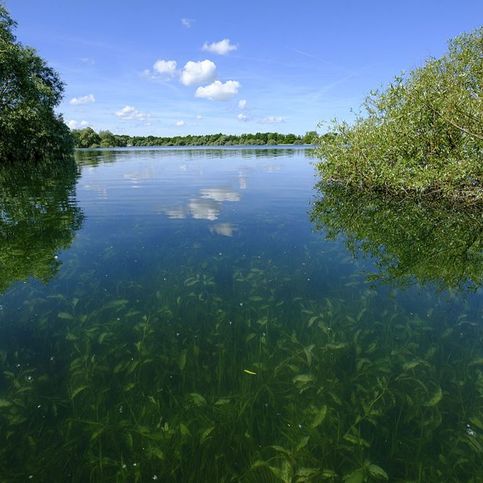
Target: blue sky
[(196, 67)]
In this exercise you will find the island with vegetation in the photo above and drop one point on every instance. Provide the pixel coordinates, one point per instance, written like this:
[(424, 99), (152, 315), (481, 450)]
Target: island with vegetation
[(423, 135)]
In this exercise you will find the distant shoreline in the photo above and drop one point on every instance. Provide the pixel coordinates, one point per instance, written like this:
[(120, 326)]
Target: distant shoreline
[(200, 147)]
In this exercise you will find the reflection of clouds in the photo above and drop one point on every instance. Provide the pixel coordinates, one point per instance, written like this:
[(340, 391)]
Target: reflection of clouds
[(223, 229), (242, 181), (272, 168), (137, 177), (204, 209), (175, 213), (220, 194)]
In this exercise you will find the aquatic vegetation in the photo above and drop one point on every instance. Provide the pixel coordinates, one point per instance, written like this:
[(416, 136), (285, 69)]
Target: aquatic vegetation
[(264, 356)]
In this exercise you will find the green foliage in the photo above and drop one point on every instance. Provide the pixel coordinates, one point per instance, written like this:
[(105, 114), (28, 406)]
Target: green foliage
[(423, 134), (424, 241), (29, 91), (88, 138)]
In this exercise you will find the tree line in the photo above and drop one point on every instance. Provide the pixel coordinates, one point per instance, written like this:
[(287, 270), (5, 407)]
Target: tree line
[(88, 138)]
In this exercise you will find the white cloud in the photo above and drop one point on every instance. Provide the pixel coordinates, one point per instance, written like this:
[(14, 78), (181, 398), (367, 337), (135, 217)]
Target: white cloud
[(130, 113), (187, 22), (222, 47), (219, 91), (180, 123), (76, 124), (198, 72), (242, 103), (272, 120), (89, 99), (165, 67), (242, 117), (199, 117)]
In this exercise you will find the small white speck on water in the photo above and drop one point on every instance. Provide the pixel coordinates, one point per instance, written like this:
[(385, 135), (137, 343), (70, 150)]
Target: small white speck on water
[(155, 477), (177, 334), (39, 406), (29, 378), (17, 365), (241, 304), (124, 466), (56, 257), (134, 464), (52, 358), (31, 477), (220, 254)]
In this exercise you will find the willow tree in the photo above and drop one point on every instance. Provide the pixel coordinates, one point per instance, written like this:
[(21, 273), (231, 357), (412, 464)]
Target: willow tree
[(423, 134), (30, 130)]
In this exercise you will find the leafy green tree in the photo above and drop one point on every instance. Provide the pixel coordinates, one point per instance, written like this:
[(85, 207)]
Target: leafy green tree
[(29, 92), (107, 139), (423, 134), (87, 138)]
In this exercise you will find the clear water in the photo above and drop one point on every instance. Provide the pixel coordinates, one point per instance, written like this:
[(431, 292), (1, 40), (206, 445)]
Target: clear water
[(211, 315)]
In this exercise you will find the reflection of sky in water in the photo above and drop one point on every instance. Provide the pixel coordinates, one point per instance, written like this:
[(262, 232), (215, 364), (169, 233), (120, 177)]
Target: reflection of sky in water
[(196, 184)]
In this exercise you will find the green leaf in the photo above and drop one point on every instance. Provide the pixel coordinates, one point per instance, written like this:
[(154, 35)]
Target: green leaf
[(319, 417), (356, 476), (78, 390), (65, 316), (377, 472), (437, 396)]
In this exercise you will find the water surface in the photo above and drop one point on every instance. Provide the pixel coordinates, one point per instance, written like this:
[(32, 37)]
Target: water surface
[(212, 315)]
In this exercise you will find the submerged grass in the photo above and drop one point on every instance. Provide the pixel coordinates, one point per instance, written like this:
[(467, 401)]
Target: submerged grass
[(199, 388)]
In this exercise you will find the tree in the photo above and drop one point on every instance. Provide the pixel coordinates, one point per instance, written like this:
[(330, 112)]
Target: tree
[(86, 138), (423, 134), (29, 91)]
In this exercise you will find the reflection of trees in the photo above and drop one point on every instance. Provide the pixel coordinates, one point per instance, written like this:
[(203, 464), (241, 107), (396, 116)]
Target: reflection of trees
[(38, 218), (431, 242), (93, 157)]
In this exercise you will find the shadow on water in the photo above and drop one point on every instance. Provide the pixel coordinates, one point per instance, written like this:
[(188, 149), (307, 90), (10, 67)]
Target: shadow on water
[(410, 241), (38, 218)]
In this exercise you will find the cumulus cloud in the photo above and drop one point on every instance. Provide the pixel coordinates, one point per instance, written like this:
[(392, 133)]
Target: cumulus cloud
[(219, 91), (242, 117), (187, 22), (165, 67), (198, 72), (222, 47), (131, 113), (180, 123), (272, 120), (89, 99), (72, 124), (242, 103)]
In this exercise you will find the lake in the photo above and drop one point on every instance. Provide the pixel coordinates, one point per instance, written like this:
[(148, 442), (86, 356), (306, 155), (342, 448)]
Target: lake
[(215, 315)]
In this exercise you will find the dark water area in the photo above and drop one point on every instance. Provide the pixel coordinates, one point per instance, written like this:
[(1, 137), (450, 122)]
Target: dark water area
[(205, 315)]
